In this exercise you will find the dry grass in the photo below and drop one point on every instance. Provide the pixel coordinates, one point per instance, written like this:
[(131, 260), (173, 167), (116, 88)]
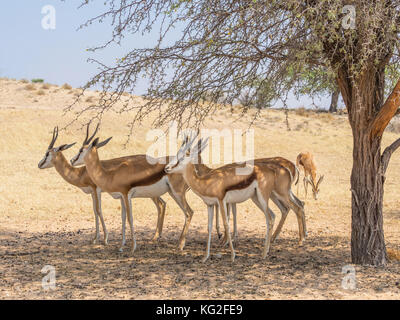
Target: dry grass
[(393, 254), (44, 220), (303, 112), (30, 87), (24, 81), (326, 117), (66, 86), (301, 126), (40, 93), (45, 86)]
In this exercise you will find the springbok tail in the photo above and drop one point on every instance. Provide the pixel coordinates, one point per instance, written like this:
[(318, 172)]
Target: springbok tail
[(297, 175), (296, 200)]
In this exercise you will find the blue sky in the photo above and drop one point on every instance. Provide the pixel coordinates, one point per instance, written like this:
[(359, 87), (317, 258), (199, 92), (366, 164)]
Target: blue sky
[(59, 56)]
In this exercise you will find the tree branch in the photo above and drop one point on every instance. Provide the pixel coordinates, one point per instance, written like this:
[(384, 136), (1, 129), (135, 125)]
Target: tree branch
[(388, 153), (386, 113)]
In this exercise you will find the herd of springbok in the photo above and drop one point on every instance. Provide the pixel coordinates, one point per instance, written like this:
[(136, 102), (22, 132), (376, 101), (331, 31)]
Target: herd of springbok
[(140, 176)]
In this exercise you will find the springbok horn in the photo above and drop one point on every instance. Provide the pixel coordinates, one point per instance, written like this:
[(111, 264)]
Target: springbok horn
[(55, 135), (185, 139), (310, 181), (321, 178), (203, 144), (94, 133), (52, 138), (87, 133), (189, 144)]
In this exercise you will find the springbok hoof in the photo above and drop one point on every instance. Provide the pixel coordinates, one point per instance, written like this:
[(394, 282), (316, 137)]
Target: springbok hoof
[(265, 255), (204, 259), (181, 246)]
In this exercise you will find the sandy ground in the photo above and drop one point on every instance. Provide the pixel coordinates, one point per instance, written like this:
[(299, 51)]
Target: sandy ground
[(45, 221)]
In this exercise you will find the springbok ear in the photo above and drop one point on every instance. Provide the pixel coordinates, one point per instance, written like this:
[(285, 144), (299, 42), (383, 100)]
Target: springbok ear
[(65, 146), (321, 178), (94, 143), (103, 143)]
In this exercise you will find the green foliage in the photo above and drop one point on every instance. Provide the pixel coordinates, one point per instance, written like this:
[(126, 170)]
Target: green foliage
[(392, 75), (37, 80)]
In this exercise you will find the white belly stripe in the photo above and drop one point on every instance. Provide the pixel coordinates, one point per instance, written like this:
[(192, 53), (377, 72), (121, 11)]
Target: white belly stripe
[(151, 191), (240, 195)]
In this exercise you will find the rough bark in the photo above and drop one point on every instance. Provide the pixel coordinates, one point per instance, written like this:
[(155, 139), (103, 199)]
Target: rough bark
[(334, 100), (363, 101), (367, 236)]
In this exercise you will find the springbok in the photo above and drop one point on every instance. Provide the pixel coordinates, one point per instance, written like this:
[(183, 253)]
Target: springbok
[(202, 169), (138, 176), (224, 186), (306, 161), (79, 177)]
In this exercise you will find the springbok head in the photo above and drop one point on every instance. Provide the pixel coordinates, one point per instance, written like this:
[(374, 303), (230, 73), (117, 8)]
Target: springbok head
[(315, 186), (51, 152), (186, 154), (87, 145)]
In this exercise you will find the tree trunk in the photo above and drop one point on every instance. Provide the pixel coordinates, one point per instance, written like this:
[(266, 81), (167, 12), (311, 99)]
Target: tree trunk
[(367, 237), (363, 100), (334, 100)]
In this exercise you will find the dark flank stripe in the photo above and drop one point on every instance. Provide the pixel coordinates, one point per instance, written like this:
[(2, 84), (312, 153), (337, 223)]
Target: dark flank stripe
[(154, 178), (243, 184)]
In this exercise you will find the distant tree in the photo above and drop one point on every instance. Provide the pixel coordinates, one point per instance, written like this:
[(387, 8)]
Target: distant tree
[(37, 80), (227, 46), (334, 100)]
